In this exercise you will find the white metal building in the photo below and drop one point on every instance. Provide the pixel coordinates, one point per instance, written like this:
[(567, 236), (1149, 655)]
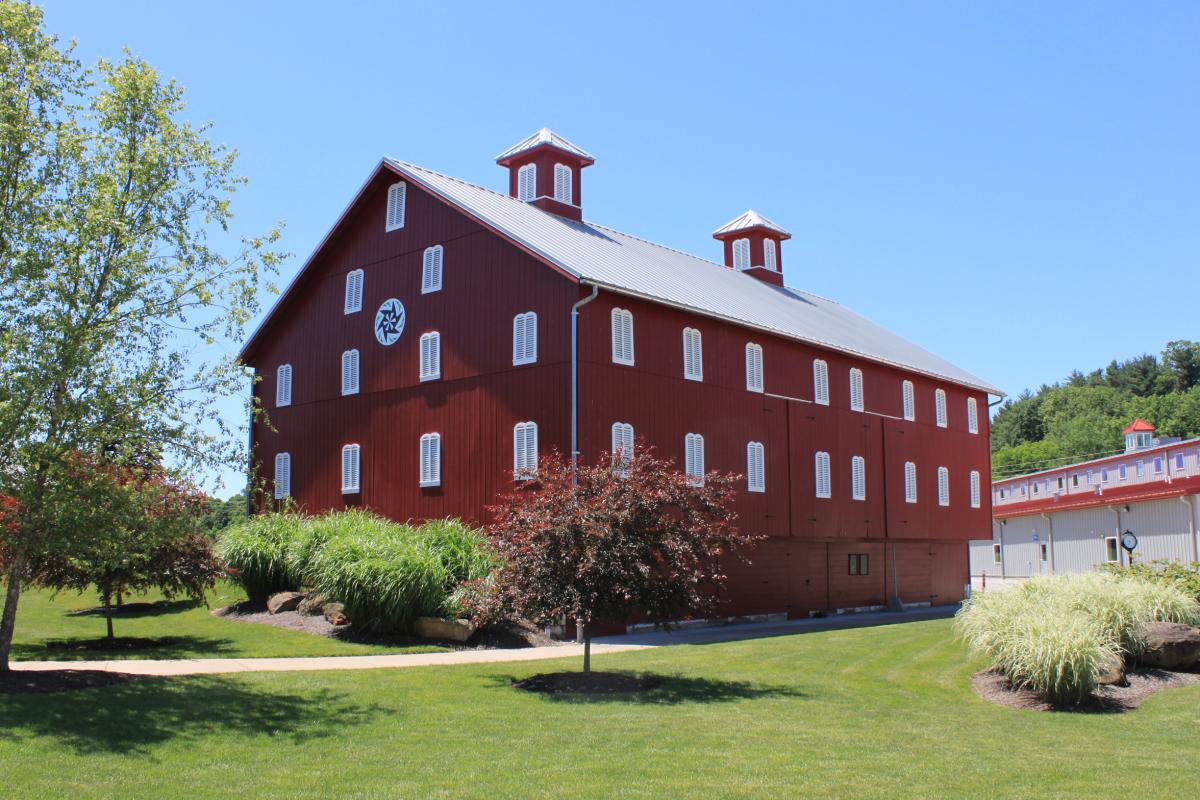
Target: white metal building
[(1071, 518)]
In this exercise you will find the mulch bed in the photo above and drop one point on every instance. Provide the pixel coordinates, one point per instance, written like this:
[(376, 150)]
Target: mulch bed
[(995, 688), (59, 680), (508, 635), (587, 683)]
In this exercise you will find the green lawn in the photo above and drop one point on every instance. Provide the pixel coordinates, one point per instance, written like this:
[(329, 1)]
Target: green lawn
[(875, 712), (182, 630)]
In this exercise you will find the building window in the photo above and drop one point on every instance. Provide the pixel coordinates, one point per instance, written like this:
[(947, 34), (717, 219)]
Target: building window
[(996, 557), (823, 487), (1104, 475), (527, 182), (944, 486), (1158, 465), (939, 404), (1122, 472), (741, 254), (1003, 493), (1045, 552), (859, 564), (431, 459), (1112, 550), (858, 478), (909, 402), (622, 447), (770, 255), (1179, 461), (354, 289), (395, 206), (856, 389), (693, 458), (820, 382), (693, 355), (562, 184), (910, 482), (350, 372), (525, 338), (351, 460), (431, 269), (1091, 477), (975, 494), (622, 336), (1035, 487), (283, 475), (1061, 484), (283, 385), (1141, 468), (1075, 481), (756, 479), (1023, 491), (754, 367), (525, 450), (972, 415), (431, 356)]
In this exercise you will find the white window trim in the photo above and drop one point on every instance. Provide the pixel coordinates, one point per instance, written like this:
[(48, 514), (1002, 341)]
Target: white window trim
[(756, 478), (741, 254), (283, 477), (525, 451), (857, 402), (397, 202), (908, 400), (910, 482), (430, 473), (770, 255), (693, 366), (820, 382), (754, 367), (858, 478), (693, 458), (431, 269), (351, 380), (997, 553), (622, 447), (351, 469), (976, 498), (527, 187), (823, 479), (1116, 548), (944, 487), (525, 338), (283, 385), (430, 367), (354, 292), (622, 336), (939, 404), (972, 415), (564, 178)]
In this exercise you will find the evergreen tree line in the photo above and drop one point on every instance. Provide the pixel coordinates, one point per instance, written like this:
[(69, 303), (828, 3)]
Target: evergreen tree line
[(1083, 416)]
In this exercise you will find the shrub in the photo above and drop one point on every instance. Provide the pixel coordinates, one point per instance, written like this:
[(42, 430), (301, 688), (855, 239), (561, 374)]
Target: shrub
[(256, 552), (1185, 577), (1057, 634)]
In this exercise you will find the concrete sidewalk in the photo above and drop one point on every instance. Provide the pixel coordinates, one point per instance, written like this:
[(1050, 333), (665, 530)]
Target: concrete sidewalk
[(733, 633), (217, 666)]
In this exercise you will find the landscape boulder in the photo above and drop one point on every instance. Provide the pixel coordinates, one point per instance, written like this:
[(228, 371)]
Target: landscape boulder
[(456, 630), (335, 614), (312, 604), (284, 601), (1112, 673), (1170, 645)]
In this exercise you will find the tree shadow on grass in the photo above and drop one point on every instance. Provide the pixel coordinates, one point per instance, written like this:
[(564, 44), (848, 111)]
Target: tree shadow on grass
[(134, 717), (139, 610), (667, 690), (101, 649)]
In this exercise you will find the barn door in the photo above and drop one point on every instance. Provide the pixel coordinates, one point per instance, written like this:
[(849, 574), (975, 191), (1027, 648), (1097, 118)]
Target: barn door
[(949, 572)]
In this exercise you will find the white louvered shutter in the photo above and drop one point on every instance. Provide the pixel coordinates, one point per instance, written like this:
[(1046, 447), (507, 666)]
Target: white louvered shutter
[(350, 469), (431, 356), (910, 403), (856, 389), (283, 475), (972, 415), (755, 467), (910, 482), (821, 464), (622, 336), (431, 459), (770, 256), (693, 457), (431, 269), (350, 372), (754, 367), (693, 355), (939, 402), (527, 182), (741, 254), (397, 198), (858, 478), (283, 385), (974, 489), (820, 382), (354, 288), (943, 486), (562, 183)]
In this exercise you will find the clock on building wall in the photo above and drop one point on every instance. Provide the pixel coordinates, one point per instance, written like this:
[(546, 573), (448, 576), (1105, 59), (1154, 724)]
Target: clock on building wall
[(389, 321)]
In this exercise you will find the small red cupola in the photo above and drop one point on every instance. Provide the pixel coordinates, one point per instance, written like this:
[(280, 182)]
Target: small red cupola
[(1139, 434), (752, 245), (544, 170)]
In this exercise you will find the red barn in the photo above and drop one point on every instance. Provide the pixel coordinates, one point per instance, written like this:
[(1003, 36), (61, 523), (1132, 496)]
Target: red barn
[(443, 335)]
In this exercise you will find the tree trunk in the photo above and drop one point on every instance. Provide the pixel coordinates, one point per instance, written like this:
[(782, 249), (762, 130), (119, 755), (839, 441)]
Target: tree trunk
[(587, 653), (9, 620), (108, 613)]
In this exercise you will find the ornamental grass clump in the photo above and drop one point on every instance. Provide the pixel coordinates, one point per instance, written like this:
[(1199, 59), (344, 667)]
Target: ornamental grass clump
[(256, 552), (1058, 635)]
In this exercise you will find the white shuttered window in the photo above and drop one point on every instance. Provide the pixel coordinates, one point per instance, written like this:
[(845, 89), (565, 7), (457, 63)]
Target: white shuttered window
[(820, 382), (525, 338), (910, 403), (754, 367), (943, 486), (622, 336), (939, 403), (395, 206), (283, 385), (527, 182), (622, 447), (858, 478), (283, 475), (350, 372), (431, 269), (824, 486), (972, 415), (431, 356), (756, 477), (974, 488), (354, 291), (525, 450), (856, 389), (910, 482), (431, 459), (693, 355), (693, 458), (351, 461), (770, 255), (562, 183), (741, 254)]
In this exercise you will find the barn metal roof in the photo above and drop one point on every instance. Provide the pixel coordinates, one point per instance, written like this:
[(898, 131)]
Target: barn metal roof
[(545, 136), (751, 219), (628, 265)]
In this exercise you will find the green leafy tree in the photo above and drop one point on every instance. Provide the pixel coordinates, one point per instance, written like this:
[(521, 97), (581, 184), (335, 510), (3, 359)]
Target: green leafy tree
[(116, 267), (1181, 362)]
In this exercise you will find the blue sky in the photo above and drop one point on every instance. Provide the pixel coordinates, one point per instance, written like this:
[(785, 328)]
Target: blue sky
[(1015, 186)]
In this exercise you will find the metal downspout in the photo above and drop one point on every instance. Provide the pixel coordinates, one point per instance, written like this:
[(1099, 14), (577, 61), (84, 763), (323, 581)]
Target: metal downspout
[(1195, 535), (1049, 538), (575, 376)]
